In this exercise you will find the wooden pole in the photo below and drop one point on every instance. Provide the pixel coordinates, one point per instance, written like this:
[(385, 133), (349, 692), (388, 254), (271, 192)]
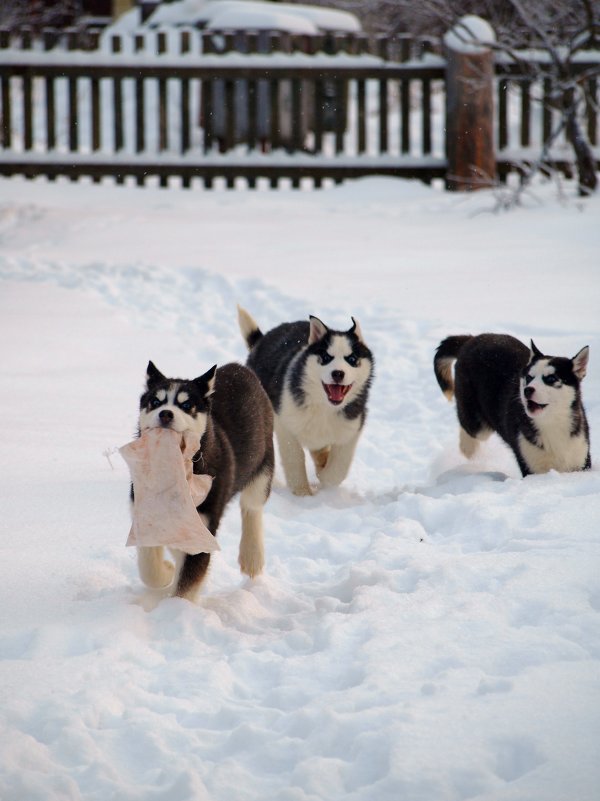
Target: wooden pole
[(470, 105)]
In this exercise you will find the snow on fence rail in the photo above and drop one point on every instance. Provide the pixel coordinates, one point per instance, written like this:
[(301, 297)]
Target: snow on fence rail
[(208, 105)]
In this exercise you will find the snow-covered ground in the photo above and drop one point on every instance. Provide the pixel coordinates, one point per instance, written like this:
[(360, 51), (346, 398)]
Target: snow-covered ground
[(428, 631)]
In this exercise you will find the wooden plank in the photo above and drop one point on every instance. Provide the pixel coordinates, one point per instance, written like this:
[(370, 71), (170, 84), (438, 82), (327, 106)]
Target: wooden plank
[(50, 94), (383, 116), (502, 113), (275, 122), (6, 111), (95, 112), (525, 133), (251, 94), (163, 98), (361, 118), (163, 106), (297, 122), (405, 115), (117, 101), (140, 116), (341, 89), (426, 112), (208, 69), (73, 106), (27, 112), (185, 116), (319, 126), (140, 101), (208, 171), (49, 41), (230, 117), (73, 101), (206, 113)]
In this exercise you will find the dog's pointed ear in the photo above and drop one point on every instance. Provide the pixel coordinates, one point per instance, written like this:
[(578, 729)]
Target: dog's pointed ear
[(207, 382), (534, 352), (153, 375), (356, 330), (580, 362), (317, 331)]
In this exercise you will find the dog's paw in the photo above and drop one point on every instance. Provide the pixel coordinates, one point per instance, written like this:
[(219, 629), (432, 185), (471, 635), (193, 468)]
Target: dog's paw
[(330, 479), (302, 490), (251, 562), (156, 572)]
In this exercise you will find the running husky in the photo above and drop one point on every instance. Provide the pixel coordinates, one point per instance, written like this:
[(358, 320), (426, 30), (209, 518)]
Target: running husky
[(318, 381), (231, 414), (532, 401)]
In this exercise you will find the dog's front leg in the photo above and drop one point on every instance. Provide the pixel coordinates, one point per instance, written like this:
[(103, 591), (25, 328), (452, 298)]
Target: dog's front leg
[(338, 464), (252, 548), (191, 570), (292, 460), (153, 568)]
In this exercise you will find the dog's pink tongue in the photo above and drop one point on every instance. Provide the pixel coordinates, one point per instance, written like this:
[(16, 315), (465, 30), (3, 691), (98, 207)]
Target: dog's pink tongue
[(336, 392)]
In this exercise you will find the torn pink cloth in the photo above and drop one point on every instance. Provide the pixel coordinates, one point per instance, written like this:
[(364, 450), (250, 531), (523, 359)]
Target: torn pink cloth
[(166, 492)]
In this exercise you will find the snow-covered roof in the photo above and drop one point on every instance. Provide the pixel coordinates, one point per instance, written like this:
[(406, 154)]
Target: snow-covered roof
[(182, 12), (263, 19), (254, 14)]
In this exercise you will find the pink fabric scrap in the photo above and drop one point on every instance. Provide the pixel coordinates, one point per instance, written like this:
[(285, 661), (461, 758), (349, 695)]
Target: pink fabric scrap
[(167, 491)]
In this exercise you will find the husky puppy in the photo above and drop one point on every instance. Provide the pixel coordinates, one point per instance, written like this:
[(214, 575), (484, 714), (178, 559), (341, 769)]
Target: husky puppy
[(531, 400), (229, 411), (318, 382)]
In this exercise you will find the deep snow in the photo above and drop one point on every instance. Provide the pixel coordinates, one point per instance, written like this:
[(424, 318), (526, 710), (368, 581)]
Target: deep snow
[(429, 630)]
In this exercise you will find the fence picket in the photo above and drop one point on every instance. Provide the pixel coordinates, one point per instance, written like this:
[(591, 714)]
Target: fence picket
[(383, 115), (525, 113), (361, 115), (426, 115), (27, 112)]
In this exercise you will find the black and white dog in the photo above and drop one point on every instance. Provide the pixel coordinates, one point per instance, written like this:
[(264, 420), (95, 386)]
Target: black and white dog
[(318, 382), (229, 411), (532, 401)]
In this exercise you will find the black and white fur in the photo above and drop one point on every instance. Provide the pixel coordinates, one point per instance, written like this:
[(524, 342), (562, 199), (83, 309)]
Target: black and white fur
[(531, 400), (318, 381), (229, 411)]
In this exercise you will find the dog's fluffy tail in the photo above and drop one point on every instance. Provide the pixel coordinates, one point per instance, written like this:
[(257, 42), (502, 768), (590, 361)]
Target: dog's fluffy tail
[(445, 356), (249, 328)]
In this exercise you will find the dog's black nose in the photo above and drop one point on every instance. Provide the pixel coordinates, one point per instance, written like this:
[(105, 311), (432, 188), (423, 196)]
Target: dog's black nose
[(165, 417), (337, 375), (528, 392)]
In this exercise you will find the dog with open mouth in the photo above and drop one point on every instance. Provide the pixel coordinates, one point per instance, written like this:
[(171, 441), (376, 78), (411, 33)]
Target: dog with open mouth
[(318, 381), (531, 400)]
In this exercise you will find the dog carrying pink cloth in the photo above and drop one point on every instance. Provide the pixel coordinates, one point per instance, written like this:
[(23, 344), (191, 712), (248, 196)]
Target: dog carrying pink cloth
[(166, 492)]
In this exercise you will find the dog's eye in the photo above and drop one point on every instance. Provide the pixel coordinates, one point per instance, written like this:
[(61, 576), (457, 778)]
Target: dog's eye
[(352, 360), (324, 357), (154, 403), (550, 379), (186, 406), (528, 378)]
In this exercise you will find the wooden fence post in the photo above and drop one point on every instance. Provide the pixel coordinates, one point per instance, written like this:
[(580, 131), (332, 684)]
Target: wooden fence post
[(470, 105)]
